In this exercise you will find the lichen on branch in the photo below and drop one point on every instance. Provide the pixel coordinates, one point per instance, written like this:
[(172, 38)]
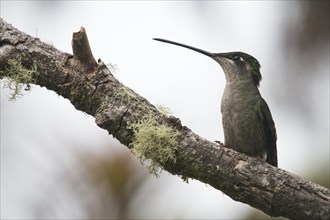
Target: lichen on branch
[(18, 78), (154, 141)]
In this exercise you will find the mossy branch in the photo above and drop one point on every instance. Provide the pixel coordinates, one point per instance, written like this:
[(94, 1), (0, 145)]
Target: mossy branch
[(18, 78), (136, 123), (154, 141)]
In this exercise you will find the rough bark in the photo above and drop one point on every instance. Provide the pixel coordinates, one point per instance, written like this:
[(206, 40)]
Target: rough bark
[(94, 90)]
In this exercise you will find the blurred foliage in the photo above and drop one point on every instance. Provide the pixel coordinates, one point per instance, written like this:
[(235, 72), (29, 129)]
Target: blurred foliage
[(312, 32), (115, 181), (321, 176), (305, 58)]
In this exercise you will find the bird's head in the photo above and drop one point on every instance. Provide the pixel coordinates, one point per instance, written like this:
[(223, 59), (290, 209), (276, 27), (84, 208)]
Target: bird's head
[(236, 65), (239, 66)]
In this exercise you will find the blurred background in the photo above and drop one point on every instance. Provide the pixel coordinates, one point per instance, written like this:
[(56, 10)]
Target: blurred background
[(57, 164)]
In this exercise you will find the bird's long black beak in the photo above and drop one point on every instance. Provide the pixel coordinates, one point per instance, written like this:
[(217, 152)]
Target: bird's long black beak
[(212, 55)]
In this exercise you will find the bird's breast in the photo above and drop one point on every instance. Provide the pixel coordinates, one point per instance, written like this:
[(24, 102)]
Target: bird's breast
[(242, 129)]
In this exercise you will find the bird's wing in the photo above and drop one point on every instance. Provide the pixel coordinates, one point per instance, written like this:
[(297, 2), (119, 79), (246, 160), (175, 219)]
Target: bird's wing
[(269, 131)]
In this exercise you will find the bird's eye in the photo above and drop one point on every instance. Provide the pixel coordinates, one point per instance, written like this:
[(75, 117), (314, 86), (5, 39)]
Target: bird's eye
[(236, 57)]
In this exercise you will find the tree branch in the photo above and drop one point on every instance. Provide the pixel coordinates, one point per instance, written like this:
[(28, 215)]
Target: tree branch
[(118, 109)]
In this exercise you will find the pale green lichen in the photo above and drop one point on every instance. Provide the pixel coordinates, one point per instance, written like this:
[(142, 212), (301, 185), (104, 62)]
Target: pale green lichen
[(154, 141), (113, 67), (104, 104), (18, 78), (164, 110), (125, 94)]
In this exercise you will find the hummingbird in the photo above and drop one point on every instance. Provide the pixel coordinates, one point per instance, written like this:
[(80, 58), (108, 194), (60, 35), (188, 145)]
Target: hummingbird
[(247, 121)]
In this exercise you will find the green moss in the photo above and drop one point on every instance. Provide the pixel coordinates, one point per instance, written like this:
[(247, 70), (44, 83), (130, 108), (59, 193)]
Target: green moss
[(18, 78), (85, 97), (79, 91), (77, 82), (154, 141)]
